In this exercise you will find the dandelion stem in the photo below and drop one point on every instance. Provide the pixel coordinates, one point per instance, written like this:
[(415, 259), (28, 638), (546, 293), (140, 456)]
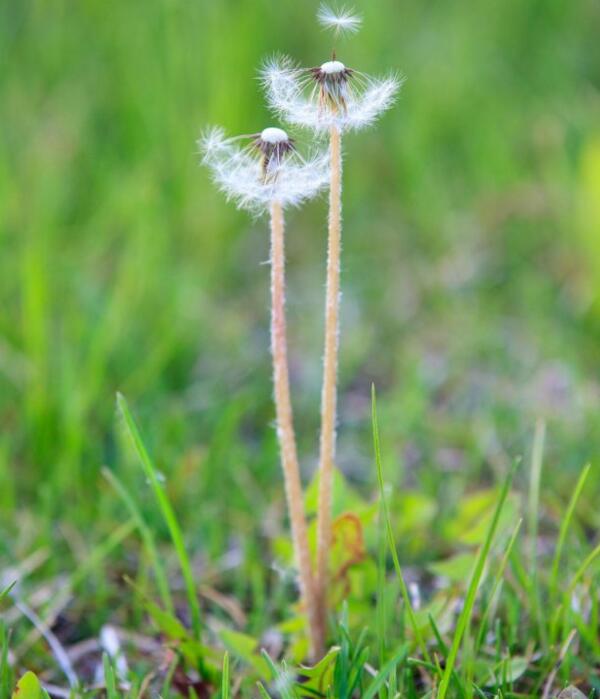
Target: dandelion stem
[(285, 428), (329, 389)]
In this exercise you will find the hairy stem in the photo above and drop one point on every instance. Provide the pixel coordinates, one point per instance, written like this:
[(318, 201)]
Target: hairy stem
[(285, 427), (329, 389)]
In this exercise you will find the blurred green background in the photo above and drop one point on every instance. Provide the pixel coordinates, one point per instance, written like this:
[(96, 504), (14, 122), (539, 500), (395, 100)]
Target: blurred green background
[(471, 257)]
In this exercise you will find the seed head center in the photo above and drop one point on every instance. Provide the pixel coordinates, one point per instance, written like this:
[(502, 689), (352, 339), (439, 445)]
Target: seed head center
[(333, 67), (274, 136)]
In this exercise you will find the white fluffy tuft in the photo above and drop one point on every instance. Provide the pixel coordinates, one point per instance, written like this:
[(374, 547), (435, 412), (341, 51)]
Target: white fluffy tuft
[(341, 20), (379, 95), (284, 84), (237, 171)]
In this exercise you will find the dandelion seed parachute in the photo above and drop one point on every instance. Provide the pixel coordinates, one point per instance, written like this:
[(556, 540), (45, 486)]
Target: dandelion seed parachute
[(342, 20), (266, 169)]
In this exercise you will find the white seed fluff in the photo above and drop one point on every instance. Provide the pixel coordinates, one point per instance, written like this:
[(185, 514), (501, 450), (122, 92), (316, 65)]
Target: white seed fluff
[(340, 20), (291, 95), (238, 172)]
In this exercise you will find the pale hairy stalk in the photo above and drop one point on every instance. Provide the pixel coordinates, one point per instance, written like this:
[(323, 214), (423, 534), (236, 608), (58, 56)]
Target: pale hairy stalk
[(285, 426), (329, 389)]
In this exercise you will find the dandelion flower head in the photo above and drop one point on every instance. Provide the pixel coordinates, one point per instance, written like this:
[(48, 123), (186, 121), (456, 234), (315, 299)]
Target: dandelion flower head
[(331, 94), (328, 95), (258, 169)]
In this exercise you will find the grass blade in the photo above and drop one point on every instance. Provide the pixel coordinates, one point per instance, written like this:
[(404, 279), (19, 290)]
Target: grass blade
[(4, 593), (564, 528), (148, 538), (381, 581), (391, 664), (496, 584), (110, 682), (467, 610), (225, 689), (589, 559), (262, 691), (6, 669), (390, 533), (282, 678), (537, 461), (443, 648), (167, 513)]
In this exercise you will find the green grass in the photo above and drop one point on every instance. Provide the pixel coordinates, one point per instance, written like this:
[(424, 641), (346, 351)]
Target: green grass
[(167, 512), (470, 276), (390, 533), (464, 620)]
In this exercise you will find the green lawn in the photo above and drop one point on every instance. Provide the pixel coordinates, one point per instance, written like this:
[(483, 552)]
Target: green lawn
[(471, 301)]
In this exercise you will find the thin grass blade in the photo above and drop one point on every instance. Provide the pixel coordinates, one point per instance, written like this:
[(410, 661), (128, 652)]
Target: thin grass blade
[(167, 513), (225, 688), (496, 584), (465, 616), (564, 528), (147, 537), (390, 533), (537, 462), (392, 663)]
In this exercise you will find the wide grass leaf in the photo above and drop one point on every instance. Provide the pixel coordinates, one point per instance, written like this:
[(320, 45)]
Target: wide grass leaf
[(28, 687)]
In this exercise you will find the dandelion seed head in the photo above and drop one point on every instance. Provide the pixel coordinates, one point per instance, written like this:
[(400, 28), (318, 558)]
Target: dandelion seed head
[(264, 169), (274, 145), (341, 20), (327, 96)]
